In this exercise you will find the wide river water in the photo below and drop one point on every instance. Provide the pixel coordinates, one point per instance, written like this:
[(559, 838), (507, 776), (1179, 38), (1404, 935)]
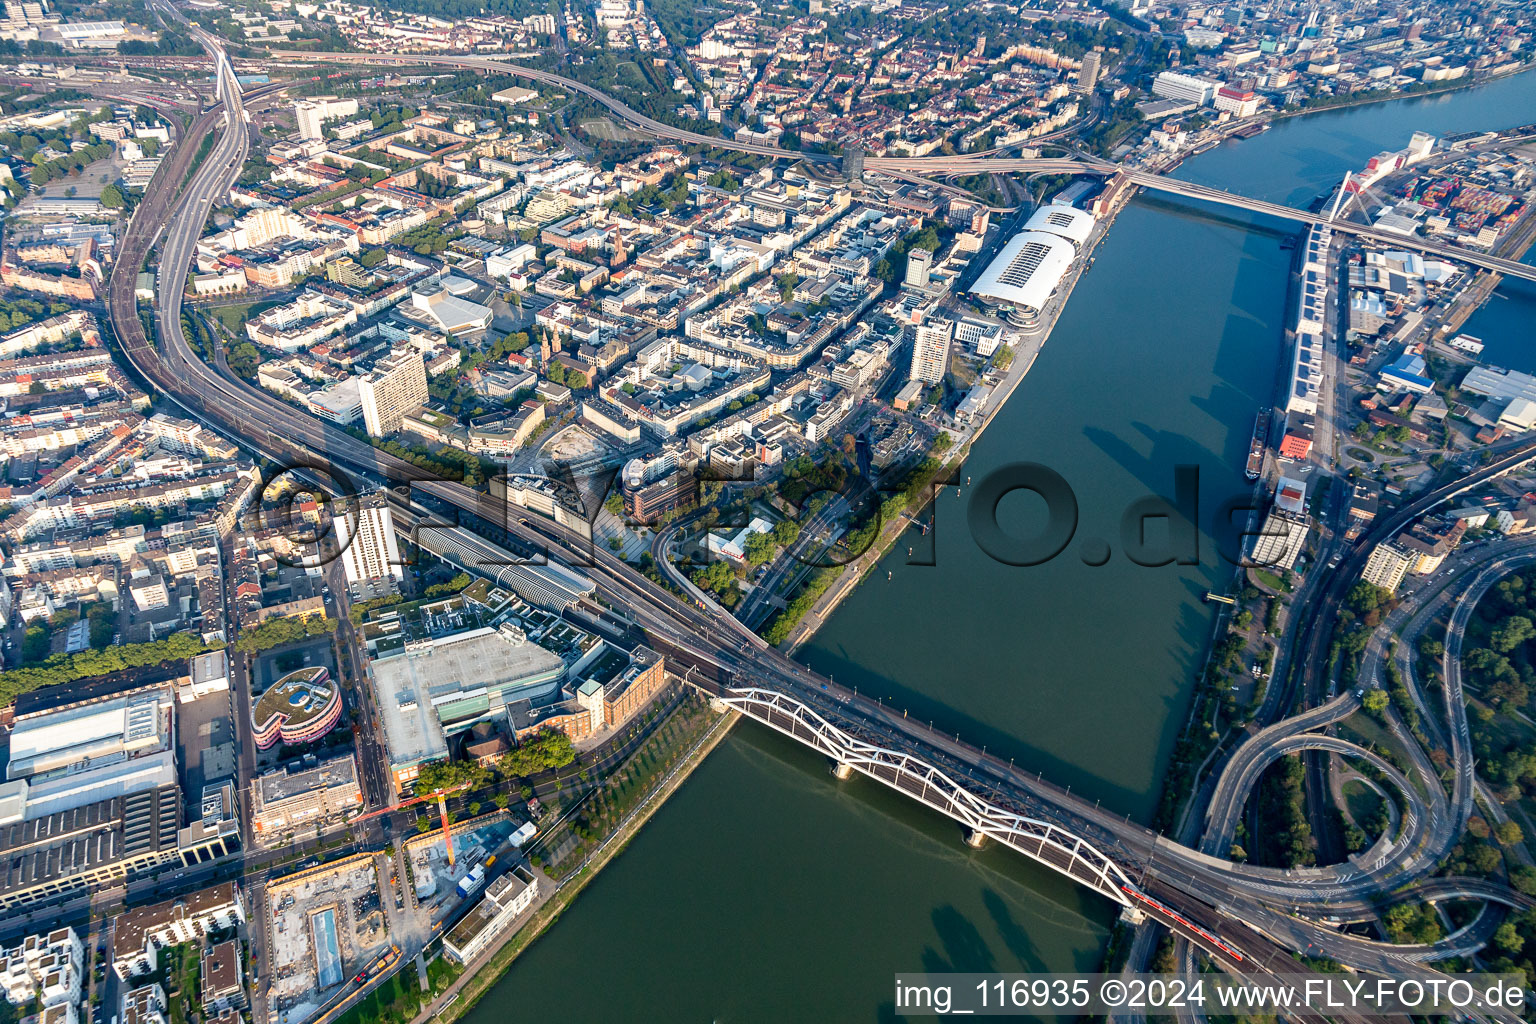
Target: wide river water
[(765, 890)]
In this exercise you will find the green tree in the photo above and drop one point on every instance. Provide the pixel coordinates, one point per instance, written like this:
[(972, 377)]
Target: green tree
[(760, 548), (443, 776), (1507, 939), (453, 586), (66, 668), (1511, 633), (112, 197), (243, 359), (284, 630), (1412, 923), (544, 750), (787, 283)]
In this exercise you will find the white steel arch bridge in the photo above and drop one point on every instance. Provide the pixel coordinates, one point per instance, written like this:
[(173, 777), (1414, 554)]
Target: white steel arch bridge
[(1042, 841)]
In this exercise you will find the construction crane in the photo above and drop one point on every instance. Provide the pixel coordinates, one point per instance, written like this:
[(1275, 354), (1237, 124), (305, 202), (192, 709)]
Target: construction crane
[(442, 809)]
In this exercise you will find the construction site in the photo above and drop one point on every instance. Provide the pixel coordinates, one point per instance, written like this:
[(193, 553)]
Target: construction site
[(435, 882), (328, 924)]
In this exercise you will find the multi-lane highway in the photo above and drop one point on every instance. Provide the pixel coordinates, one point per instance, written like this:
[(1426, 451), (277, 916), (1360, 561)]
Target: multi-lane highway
[(991, 161), (1208, 895)]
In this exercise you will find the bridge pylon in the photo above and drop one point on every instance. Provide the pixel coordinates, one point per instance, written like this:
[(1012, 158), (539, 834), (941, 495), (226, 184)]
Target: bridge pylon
[(1338, 200)]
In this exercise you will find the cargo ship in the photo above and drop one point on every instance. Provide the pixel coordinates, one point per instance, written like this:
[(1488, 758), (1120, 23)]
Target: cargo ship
[(1256, 447)]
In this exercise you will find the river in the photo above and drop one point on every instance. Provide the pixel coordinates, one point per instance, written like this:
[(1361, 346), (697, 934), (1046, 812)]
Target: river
[(765, 890)]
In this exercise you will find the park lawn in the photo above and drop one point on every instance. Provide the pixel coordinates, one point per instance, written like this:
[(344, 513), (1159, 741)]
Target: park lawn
[(1367, 732), (1363, 802), (1271, 581), (234, 317)]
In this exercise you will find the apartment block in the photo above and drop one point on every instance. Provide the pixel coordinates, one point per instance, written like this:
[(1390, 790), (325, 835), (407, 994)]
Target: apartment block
[(394, 388)]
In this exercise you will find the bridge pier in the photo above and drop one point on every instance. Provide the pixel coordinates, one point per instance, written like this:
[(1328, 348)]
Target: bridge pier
[(843, 770), (976, 839), (1132, 916)]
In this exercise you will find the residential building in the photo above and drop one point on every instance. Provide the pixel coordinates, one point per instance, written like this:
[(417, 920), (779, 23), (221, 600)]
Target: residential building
[(930, 351), (505, 899), (223, 979), (1088, 74), (139, 935), (394, 388), (369, 552), (1387, 566), (919, 263), (47, 968), (1428, 541), (144, 1005), (312, 114)]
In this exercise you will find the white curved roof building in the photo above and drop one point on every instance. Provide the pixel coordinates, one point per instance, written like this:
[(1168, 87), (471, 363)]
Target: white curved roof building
[(1067, 221), (1028, 269)]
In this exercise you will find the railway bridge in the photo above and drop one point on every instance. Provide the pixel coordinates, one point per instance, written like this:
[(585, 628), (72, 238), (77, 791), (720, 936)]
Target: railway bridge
[(1428, 246), (1042, 841)]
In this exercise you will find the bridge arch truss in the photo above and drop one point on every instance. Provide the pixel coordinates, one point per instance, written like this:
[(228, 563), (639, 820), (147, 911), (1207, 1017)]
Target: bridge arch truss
[(1042, 841)]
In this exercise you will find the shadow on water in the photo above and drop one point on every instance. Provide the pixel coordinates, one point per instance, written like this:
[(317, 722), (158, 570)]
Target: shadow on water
[(925, 708), (965, 950), (1050, 894), (1154, 469), (1196, 211), (962, 943)]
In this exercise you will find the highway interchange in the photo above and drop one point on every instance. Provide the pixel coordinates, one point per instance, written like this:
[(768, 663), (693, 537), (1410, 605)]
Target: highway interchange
[(988, 161), (1258, 911)]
